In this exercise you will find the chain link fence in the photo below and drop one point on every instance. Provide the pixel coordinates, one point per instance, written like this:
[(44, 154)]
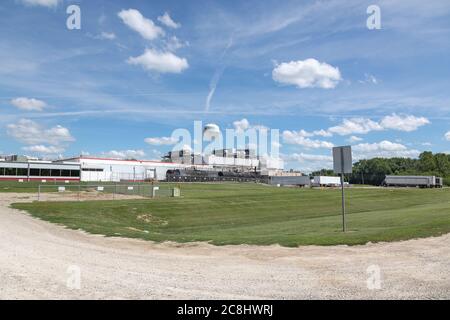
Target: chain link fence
[(82, 192)]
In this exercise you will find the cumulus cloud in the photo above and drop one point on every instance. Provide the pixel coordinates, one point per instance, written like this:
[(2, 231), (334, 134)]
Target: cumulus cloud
[(403, 123), (353, 139), (308, 73), (299, 138), (28, 104), (41, 149), (241, 125), (161, 141), (124, 154), (355, 125), (31, 133), (137, 22), (43, 3), (166, 20), (322, 133), (447, 136), (310, 162), (385, 149), (163, 62)]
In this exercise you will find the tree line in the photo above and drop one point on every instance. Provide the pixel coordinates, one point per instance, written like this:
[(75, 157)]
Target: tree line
[(373, 171)]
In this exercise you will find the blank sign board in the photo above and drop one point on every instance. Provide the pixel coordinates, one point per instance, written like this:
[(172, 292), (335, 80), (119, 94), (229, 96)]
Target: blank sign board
[(342, 159)]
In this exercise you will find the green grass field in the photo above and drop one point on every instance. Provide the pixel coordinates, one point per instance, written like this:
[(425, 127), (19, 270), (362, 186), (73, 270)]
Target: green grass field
[(257, 214), (32, 186)]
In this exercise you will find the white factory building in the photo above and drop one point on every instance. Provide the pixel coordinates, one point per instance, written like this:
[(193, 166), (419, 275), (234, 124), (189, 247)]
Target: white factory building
[(108, 169)]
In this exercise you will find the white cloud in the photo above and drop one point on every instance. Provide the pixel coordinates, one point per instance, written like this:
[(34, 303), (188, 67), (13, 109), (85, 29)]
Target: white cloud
[(447, 136), (163, 62), (107, 35), (322, 133), (166, 20), (355, 125), (30, 132), (403, 123), (406, 123), (28, 104), (124, 154), (241, 125), (43, 3), (173, 44), (368, 78), (137, 22), (384, 149), (308, 73), (44, 149), (353, 139), (162, 141), (293, 137), (310, 162)]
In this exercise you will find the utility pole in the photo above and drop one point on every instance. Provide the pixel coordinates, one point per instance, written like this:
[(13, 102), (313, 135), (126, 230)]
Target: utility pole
[(342, 191)]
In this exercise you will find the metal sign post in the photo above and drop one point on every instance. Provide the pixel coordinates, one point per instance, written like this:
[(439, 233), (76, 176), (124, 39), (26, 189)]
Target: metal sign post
[(342, 162)]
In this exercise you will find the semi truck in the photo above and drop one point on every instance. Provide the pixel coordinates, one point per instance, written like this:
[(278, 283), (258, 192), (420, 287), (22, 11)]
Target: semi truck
[(413, 181)]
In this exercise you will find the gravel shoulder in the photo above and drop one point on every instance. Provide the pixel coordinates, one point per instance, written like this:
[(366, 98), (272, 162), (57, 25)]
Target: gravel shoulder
[(38, 259)]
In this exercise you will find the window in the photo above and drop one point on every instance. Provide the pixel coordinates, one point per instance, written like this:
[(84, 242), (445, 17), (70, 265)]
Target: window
[(74, 173), (56, 173), (65, 173), (92, 169), (34, 172), (22, 172), (45, 172), (2, 171), (10, 171)]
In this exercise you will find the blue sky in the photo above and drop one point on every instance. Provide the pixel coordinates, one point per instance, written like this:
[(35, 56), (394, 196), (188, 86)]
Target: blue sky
[(311, 69)]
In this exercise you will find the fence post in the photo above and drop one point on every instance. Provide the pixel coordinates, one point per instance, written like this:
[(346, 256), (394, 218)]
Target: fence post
[(39, 193), (79, 192)]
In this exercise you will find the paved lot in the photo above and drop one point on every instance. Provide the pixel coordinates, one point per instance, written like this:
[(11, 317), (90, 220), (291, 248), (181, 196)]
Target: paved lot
[(39, 260)]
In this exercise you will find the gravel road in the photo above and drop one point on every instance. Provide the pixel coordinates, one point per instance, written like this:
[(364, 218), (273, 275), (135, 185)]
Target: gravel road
[(39, 260)]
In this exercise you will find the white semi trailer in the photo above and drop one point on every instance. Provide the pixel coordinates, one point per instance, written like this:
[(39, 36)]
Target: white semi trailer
[(326, 181), (413, 181)]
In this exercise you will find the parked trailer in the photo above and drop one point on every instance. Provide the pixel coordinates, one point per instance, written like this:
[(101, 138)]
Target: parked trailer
[(413, 181), (326, 181), (290, 180)]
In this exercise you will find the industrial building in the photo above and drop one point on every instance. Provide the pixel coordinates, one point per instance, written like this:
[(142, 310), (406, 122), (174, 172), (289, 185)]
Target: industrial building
[(222, 165), (35, 170)]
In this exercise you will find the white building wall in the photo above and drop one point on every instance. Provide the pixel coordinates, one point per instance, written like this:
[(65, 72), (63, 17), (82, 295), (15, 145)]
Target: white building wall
[(118, 170)]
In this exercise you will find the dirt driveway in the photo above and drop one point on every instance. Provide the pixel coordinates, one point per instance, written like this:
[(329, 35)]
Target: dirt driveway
[(39, 260)]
